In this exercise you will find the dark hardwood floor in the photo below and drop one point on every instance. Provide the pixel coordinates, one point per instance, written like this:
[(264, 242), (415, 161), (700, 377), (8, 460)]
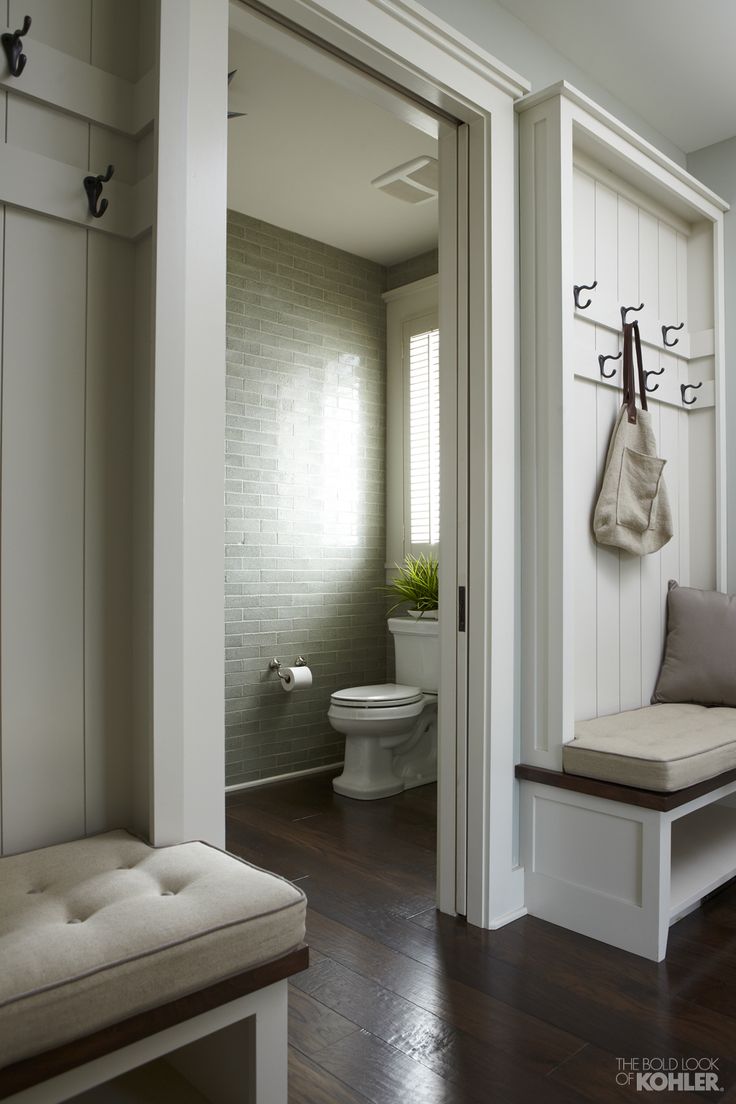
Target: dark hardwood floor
[(404, 1006)]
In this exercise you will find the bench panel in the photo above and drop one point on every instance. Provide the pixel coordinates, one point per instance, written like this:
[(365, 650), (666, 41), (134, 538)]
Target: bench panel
[(42, 1067)]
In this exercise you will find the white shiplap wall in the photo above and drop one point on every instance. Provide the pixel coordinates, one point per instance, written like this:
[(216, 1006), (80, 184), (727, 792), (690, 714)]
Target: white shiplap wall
[(70, 326), (637, 254)]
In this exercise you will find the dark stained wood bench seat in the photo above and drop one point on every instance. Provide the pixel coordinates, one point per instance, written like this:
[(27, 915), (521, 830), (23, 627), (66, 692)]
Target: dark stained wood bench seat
[(626, 795)]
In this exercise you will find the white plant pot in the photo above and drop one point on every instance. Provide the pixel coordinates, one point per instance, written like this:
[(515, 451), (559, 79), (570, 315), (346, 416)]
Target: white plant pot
[(425, 615)]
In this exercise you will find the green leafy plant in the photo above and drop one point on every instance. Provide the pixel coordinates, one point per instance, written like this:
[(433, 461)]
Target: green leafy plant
[(417, 582)]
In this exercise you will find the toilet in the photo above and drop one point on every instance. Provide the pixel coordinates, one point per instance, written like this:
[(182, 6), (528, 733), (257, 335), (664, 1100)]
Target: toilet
[(391, 729)]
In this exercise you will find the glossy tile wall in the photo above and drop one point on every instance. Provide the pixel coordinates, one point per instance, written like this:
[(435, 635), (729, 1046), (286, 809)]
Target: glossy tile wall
[(304, 491), (416, 268)]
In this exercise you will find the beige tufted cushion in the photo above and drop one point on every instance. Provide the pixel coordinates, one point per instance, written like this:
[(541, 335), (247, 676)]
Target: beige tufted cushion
[(660, 747), (94, 931)]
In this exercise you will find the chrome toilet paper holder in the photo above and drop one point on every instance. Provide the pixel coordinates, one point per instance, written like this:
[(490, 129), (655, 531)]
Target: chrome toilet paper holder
[(276, 665)]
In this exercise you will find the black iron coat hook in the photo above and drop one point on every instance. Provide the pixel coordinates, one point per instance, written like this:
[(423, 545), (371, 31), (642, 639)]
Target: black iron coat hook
[(13, 47), (689, 387), (625, 311), (577, 288), (93, 188), (602, 360), (652, 372), (666, 330)]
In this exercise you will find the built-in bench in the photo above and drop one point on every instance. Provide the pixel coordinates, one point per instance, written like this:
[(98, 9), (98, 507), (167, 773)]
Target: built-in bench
[(114, 954), (622, 861)]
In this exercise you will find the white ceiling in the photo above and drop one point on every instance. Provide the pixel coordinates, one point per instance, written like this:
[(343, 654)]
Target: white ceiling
[(304, 156), (671, 61)]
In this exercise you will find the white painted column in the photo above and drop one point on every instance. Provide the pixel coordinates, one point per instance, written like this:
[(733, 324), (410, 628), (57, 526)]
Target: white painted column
[(188, 652), (495, 891)]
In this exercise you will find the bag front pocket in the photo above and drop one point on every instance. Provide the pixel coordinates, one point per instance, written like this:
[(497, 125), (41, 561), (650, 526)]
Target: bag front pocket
[(637, 489)]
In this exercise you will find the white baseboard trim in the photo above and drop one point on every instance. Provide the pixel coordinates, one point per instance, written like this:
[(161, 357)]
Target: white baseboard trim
[(507, 918), (282, 777)]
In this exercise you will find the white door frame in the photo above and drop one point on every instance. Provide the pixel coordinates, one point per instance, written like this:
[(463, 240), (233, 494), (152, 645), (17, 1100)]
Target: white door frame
[(402, 44)]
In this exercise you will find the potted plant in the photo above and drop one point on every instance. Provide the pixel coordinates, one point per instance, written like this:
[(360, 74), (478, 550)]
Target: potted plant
[(417, 582)]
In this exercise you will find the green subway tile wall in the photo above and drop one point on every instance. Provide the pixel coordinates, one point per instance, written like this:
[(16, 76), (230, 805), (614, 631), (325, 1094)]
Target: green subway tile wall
[(304, 491)]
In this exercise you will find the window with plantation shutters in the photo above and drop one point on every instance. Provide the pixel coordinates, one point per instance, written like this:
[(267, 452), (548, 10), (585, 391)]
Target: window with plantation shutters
[(422, 439), (412, 422)]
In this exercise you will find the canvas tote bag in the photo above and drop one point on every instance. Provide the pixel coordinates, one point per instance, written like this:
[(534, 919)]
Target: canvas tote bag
[(633, 510)]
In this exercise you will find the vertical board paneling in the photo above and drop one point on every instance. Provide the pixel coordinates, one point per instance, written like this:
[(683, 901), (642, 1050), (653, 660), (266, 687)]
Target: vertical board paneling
[(42, 532), (63, 24), (669, 449), (607, 404), (629, 566), (42, 129), (651, 605), (3, 210), (142, 538), (115, 36), (684, 424), (667, 429), (586, 491), (651, 630), (652, 600), (607, 578), (584, 227), (108, 430), (621, 599), (586, 463)]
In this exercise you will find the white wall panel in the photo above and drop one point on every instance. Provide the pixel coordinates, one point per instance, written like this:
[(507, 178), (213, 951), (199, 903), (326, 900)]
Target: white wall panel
[(114, 45), (63, 24), (42, 532), (142, 533), (69, 371), (621, 599), (41, 129), (2, 345), (630, 688), (108, 436)]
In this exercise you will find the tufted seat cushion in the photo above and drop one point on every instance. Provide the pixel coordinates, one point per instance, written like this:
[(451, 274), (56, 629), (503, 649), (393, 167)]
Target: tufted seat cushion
[(95, 931), (660, 747)]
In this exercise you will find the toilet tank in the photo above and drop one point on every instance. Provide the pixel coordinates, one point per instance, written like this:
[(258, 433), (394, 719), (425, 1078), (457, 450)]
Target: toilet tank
[(417, 649)]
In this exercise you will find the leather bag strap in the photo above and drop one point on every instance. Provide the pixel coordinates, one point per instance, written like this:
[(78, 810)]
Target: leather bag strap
[(632, 340)]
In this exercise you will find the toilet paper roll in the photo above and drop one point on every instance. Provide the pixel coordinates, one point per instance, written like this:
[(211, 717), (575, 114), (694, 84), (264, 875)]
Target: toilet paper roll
[(295, 678)]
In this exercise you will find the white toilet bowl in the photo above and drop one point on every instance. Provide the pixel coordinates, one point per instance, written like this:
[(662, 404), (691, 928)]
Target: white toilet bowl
[(390, 739)]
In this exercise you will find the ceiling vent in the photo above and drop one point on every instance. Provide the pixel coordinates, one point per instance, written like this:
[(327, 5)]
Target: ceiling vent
[(414, 182)]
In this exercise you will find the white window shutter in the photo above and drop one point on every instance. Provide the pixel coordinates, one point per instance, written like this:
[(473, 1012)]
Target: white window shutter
[(424, 438)]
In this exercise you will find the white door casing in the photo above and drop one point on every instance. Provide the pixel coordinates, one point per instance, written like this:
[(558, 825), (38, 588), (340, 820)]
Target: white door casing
[(398, 42)]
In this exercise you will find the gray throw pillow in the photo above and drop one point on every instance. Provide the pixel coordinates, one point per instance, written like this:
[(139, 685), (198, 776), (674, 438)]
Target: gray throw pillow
[(699, 664)]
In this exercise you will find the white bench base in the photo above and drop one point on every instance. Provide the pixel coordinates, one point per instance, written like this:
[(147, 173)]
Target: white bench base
[(233, 1054), (620, 872)]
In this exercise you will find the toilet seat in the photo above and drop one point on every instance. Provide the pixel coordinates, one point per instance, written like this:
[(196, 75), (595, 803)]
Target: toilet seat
[(388, 695)]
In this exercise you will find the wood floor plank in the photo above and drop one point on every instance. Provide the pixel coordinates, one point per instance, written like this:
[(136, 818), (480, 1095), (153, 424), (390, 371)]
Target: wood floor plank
[(378, 888), (310, 1084), (402, 1003), (538, 1045), (434, 1043), (386, 1076), (313, 1025)]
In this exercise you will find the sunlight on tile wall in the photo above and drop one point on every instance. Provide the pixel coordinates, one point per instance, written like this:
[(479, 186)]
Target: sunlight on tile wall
[(304, 491)]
